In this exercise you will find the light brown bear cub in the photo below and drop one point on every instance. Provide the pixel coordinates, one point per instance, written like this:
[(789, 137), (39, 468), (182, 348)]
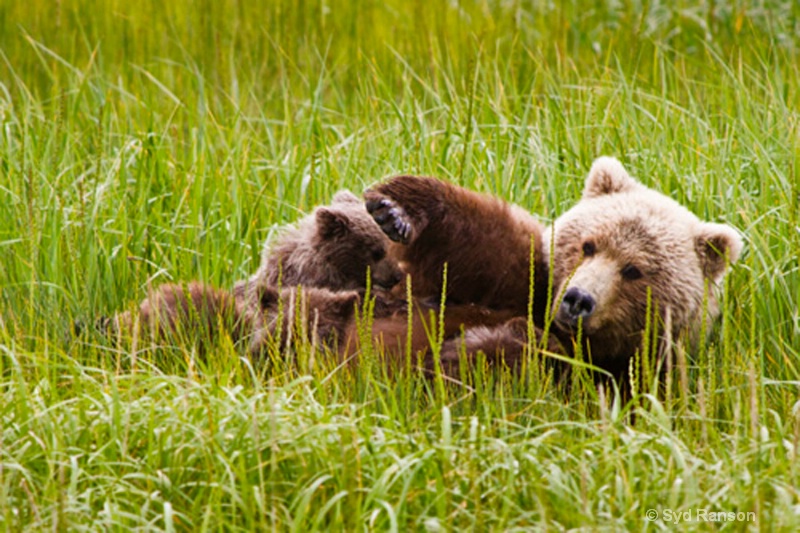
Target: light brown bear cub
[(620, 240), (329, 253), (331, 248)]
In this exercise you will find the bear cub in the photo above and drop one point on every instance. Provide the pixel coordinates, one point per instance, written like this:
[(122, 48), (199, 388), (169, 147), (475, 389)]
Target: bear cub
[(331, 248)]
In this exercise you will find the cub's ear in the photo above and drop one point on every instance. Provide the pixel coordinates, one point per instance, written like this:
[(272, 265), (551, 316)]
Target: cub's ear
[(607, 176), (344, 304), (717, 245), (268, 297), (331, 224), (346, 197)]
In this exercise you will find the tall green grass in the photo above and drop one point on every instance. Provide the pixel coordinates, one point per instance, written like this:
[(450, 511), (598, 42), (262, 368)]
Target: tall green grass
[(155, 141)]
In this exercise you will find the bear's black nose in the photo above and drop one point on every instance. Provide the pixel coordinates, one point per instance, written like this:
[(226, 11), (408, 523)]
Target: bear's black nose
[(386, 279), (577, 303)]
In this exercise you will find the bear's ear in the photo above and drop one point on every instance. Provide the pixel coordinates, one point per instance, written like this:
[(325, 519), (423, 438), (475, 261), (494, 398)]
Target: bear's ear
[(268, 297), (346, 197), (344, 304), (717, 245), (331, 224), (607, 176)]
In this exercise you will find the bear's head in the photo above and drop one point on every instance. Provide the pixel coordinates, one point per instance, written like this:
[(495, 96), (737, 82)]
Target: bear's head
[(348, 241), (300, 314), (621, 240)]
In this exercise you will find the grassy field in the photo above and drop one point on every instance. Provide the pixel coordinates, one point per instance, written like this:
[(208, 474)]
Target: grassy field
[(145, 142)]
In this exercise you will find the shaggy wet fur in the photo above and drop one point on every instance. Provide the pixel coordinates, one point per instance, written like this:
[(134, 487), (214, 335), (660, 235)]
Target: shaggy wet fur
[(485, 242), (308, 288), (333, 247)]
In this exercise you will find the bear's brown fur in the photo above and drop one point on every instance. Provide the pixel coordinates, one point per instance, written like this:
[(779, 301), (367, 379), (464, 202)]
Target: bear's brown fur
[(323, 263), (389, 332), (195, 312), (622, 240), (331, 248), (283, 317), (619, 240), (199, 313), (329, 253), (485, 242), (333, 319)]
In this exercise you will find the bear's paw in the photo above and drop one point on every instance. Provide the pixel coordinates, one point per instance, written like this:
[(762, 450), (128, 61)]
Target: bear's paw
[(391, 217)]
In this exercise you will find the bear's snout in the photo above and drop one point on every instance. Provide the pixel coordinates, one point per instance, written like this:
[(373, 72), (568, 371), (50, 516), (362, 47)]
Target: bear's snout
[(386, 276), (576, 304)]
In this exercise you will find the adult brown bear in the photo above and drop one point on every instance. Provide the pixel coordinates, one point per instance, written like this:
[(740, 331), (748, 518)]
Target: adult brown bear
[(618, 242)]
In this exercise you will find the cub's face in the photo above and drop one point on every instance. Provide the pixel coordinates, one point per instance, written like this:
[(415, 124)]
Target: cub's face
[(623, 239), (352, 242)]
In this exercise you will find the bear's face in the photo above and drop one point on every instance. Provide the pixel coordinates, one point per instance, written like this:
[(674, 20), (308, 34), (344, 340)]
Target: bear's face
[(622, 239), (349, 240), (300, 313)]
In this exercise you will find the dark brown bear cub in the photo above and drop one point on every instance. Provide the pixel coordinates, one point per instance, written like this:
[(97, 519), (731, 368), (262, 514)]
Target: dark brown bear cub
[(172, 312), (485, 242)]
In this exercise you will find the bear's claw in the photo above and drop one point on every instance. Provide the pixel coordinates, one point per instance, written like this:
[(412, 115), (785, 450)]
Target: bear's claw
[(400, 224), (391, 218)]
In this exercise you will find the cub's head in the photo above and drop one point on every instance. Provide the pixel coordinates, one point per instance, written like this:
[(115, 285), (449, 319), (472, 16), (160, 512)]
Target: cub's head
[(348, 240), (299, 314), (621, 239)]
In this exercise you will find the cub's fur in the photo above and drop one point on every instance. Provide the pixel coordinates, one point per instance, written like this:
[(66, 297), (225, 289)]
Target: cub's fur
[(307, 289), (171, 311), (332, 248)]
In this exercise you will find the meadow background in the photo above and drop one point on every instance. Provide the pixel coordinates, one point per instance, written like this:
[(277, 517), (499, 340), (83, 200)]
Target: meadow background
[(153, 141)]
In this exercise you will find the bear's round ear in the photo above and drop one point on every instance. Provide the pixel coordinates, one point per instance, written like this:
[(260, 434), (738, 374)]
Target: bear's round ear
[(341, 305), (607, 176), (717, 245), (331, 224), (267, 296), (346, 197)]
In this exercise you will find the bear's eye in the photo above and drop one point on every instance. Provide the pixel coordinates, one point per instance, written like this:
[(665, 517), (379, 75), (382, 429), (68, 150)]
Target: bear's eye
[(630, 272), (378, 254), (588, 249)]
